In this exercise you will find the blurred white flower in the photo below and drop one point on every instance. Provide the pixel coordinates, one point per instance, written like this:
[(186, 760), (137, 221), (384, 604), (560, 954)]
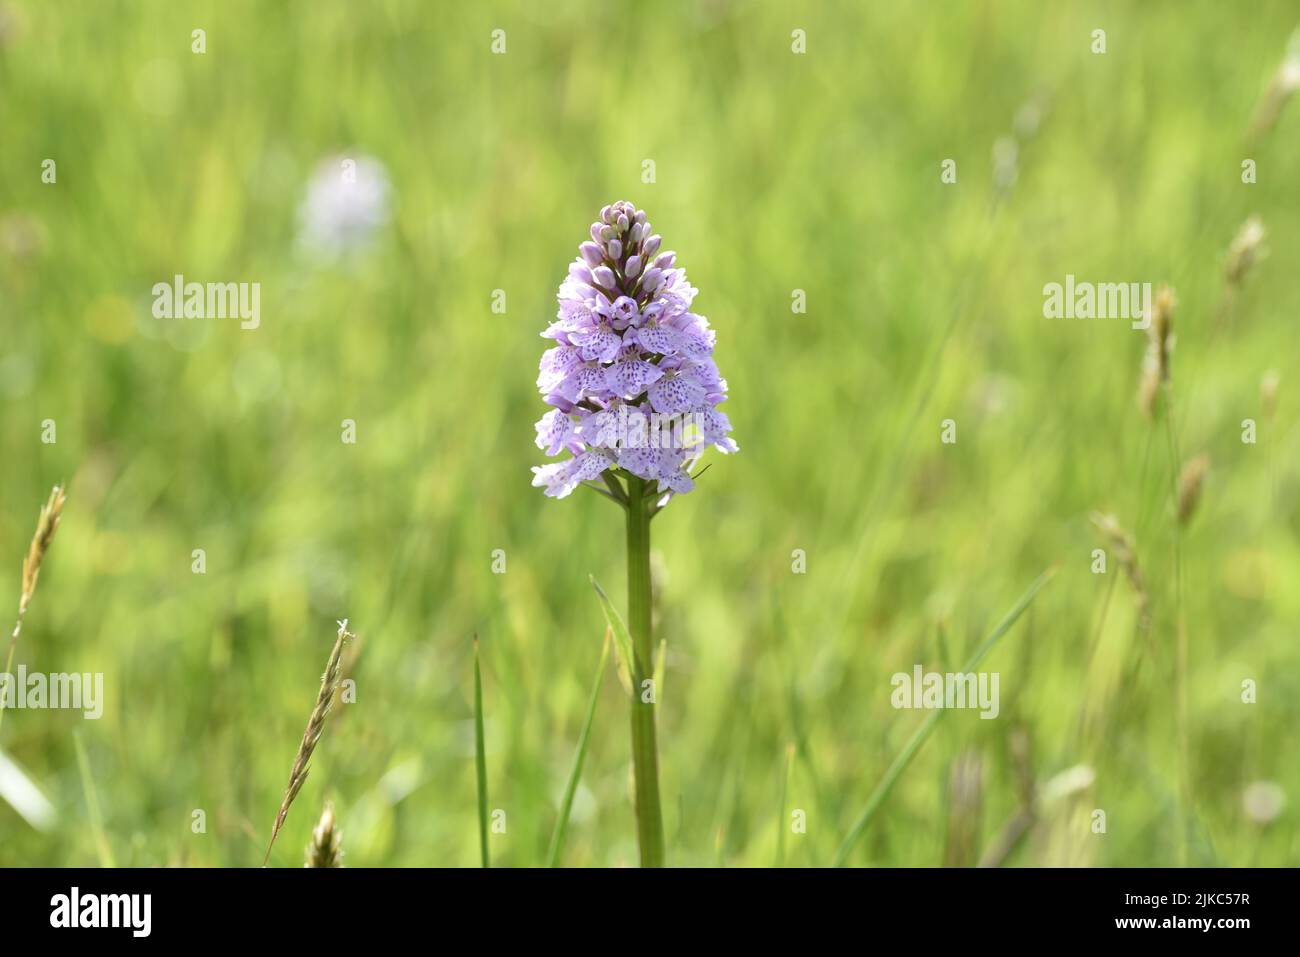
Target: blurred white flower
[(347, 201), (1263, 801)]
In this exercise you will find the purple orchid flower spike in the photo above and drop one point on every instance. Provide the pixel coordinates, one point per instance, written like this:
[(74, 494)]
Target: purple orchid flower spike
[(630, 353)]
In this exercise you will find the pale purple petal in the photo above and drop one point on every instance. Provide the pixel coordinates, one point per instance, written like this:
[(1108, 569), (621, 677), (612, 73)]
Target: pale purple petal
[(601, 343), (554, 430), (676, 393), (658, 339), (630, 376)]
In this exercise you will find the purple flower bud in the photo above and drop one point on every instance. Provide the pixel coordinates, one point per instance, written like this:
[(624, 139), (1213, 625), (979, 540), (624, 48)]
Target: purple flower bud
[(622, 222), (595, 231), (666, 260), (605, 213), (580, 272), (633, 267), (591, 253), (615, 250), (650, 281), (640, 216), (606, 234), (624, 311), (651, 246), (604, 276), (634, 234)]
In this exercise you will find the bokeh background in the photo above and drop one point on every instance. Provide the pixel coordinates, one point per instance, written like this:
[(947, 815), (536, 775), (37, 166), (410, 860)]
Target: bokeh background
[(774, 172)]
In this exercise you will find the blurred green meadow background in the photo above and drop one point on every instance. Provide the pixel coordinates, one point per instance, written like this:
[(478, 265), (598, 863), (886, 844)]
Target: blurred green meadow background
[(774, 171)]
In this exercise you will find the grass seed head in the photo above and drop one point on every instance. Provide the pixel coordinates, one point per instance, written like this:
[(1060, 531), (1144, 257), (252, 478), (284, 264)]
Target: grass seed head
[(1281, 87), (1121, 545), (326, 846), (1157, 364), (1246, 249), (46, 525), (1190, 482), (329, 686)]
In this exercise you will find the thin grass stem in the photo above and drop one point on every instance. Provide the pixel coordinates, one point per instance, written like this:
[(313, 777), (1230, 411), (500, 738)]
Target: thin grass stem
[(480, 761), (102, 847)]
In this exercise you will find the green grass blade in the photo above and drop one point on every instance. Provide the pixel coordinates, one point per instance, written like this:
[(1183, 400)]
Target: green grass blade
[(570, 789), (622, 637), (9, 670), (782, 823), (92, 804), (480, 759), (21, 793), (927, 727), (941, 641)]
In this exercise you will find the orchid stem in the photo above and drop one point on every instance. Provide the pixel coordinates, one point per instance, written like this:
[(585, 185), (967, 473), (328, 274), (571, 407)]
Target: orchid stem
[(645, 760)]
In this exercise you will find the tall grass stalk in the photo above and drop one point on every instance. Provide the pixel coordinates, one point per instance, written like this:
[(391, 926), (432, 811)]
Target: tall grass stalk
[(1023, 819), (102, 847), (922, 734), (1180, 666), (47, 523), (782, 825), (480, 761), (575, 775)]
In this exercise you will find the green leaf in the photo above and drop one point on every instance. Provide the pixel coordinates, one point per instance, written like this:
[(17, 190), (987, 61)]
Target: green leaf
[(622, 638), (781, 824), (21, 793), (570, 789)]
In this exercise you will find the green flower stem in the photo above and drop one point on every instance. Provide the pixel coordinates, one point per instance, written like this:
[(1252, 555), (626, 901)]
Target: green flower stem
[(645, 760)]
